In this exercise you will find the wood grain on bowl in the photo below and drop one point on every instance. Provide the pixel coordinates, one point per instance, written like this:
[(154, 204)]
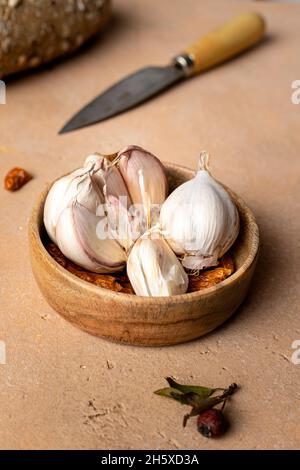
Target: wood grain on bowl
[(148, 321)]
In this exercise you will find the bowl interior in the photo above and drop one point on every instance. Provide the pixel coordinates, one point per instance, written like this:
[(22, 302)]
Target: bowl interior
[(243, 251)]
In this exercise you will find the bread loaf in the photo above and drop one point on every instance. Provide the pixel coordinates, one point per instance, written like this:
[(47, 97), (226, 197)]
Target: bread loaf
[(33, 32)]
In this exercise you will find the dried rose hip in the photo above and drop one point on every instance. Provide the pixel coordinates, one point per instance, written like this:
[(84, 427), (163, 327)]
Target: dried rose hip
[(211, 423), (16, 178)]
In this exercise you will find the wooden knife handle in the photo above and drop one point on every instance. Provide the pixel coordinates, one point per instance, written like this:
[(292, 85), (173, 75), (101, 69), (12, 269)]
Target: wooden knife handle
[(239, 34)]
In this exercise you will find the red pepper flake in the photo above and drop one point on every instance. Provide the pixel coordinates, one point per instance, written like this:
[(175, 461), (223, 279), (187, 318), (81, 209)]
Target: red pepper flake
[(16, 178)]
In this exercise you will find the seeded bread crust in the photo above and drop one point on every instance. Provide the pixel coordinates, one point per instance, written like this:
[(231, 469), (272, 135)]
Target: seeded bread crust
[(33, 32)]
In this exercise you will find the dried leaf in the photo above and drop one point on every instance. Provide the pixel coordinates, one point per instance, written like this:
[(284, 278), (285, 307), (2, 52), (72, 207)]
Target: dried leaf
[(204, 392), (168, 392), (198, 397), (191, 399)]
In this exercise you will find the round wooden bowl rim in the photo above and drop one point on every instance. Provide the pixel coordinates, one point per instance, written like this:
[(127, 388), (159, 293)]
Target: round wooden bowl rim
[(181, 298)]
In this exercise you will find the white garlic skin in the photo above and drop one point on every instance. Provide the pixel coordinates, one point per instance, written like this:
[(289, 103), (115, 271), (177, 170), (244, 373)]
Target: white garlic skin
[(74, 208), (84, 184), (107, 177), (59, 196), (154, 270), (96, 160), (78, 240), (117, 197), (200, 221)]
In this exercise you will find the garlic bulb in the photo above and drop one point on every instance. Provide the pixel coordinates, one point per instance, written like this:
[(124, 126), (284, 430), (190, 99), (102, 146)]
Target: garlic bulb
[(154, 270), (200, 220), (75, 218), (79, 240)]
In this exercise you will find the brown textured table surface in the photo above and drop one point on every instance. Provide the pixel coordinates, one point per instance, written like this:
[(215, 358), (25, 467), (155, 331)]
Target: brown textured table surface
[(60, 387)]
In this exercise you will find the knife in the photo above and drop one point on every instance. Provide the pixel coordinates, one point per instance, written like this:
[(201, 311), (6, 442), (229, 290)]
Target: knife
[(234, 37)]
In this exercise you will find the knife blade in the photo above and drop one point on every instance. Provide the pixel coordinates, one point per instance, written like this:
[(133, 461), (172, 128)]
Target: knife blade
[(127, 93), (236, 36)]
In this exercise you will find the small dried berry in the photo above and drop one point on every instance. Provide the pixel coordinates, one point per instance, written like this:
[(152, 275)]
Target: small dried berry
[(16, 178), (211, 423)]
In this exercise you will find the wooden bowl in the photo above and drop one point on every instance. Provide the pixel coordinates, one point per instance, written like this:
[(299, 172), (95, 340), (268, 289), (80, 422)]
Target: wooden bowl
[(147, 321)]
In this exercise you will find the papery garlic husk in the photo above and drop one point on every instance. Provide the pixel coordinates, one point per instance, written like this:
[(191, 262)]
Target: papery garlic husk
[(134, 160), (79, 184), (80, 239), (118, 207), (106, 175), (96, 160), (200, 220), (153, 268), (76, 220), (120, 213)]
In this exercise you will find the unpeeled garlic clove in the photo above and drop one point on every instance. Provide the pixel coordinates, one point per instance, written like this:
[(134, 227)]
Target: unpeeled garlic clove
[(79, 239), (200, 220), (134, 159), (154, 270), (78, 184), (86, 185)]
